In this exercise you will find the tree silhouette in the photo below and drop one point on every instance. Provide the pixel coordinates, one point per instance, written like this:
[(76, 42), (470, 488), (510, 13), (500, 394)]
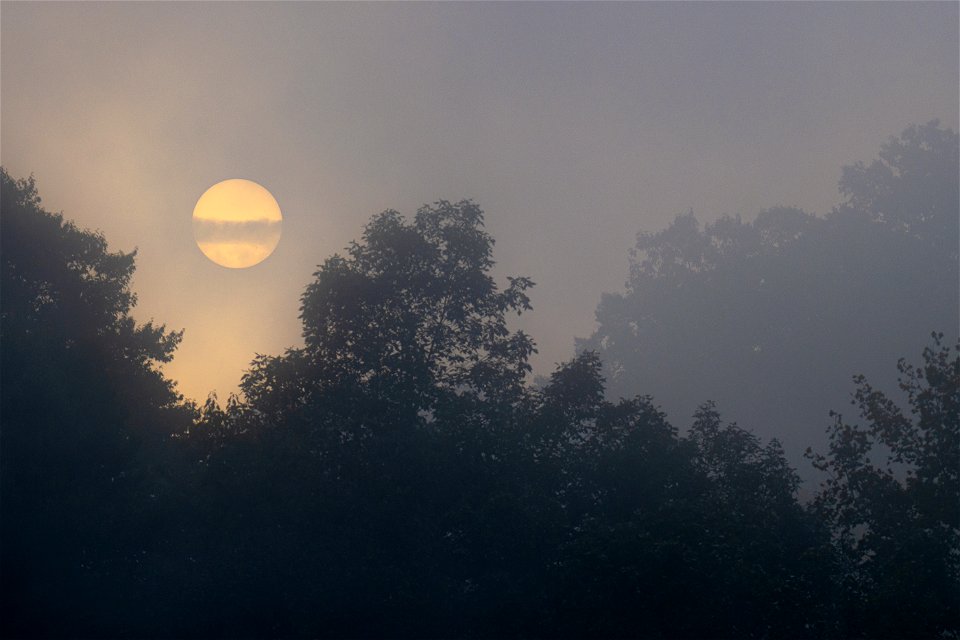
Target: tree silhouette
[(85, 410), (411, 313), (892, 499), (407, 363)]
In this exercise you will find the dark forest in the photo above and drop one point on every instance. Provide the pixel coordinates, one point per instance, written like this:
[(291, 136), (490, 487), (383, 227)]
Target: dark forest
[(399, 474)]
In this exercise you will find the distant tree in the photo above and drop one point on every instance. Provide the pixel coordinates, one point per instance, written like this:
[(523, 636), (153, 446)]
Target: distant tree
[(84, 409), (764, 317), (892, 499), (912, 187)]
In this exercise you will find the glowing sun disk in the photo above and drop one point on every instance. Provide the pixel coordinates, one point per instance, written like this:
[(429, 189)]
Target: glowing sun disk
[(237, 223)]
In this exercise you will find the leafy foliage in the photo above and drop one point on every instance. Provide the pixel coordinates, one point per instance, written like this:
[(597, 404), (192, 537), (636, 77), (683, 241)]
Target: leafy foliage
[(892, 499), (409, 316), (85, 412)]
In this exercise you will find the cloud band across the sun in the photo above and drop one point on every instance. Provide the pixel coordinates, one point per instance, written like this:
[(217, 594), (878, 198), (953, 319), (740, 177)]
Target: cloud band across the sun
[(237, 244), (236, 255), (262, 231)]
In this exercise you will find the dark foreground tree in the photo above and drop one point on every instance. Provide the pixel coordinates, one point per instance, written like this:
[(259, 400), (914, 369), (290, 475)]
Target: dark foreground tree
[(669, 537), (892, 499), (341, 451), (408, 318), (85, 411)]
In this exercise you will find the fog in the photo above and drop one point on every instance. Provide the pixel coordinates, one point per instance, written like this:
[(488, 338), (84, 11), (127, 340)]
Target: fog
[(574, 126), (582, 320)]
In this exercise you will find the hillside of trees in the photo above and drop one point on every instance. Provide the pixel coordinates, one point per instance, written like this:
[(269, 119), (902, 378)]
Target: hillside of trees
[(398, 475)]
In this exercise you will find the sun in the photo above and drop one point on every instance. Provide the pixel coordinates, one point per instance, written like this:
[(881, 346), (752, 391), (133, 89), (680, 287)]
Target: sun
[(236, 223)]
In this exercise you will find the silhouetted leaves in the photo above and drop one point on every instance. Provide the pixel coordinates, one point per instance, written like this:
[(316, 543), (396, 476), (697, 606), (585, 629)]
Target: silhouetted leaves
[(85, 414), (892, 499)]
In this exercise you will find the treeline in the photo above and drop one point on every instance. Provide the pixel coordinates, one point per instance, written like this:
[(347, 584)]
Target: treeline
[(398, 476)]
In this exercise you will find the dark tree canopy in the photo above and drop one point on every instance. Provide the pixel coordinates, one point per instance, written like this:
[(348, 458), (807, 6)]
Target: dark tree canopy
[(892, 498), (411, 313), (84, 410), (64, 283)]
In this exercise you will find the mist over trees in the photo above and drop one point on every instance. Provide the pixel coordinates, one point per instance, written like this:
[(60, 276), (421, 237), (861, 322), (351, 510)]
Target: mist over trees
[(399, 476), (770, 318)]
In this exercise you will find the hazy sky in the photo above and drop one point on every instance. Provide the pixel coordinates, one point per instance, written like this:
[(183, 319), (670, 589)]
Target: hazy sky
[(574, 126)]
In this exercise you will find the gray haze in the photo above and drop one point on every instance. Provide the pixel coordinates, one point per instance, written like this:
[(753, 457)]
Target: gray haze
[(573, 125)]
